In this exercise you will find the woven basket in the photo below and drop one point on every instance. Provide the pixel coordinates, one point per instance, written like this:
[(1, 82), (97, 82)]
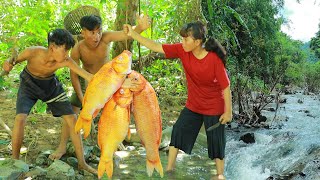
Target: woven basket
[(72, 20)]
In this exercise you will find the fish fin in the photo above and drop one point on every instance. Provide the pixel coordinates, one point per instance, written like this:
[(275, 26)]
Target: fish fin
[(150, 168), (105, 167), (86, 129), (83, 124), (151, 165), (159, 168)]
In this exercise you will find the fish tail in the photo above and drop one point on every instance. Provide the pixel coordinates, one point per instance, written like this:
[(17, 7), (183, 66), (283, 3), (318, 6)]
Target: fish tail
[(151, 165), (105, 167)]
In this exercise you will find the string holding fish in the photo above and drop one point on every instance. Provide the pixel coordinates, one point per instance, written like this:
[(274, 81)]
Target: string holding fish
[(127, 23)]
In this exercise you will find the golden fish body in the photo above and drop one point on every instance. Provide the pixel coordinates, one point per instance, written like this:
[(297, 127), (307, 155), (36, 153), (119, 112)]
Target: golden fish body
[(113, 128), (148, 121), (101, 88)]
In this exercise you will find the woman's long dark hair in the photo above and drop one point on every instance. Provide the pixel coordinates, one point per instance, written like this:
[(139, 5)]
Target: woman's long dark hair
[(198, 31)]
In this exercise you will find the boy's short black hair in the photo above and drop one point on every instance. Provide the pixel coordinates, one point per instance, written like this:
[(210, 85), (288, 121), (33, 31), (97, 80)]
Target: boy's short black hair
[(90, 22), (61, 37)]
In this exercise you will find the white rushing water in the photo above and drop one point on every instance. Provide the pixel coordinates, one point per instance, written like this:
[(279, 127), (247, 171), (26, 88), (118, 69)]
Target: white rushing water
[(279, 150)]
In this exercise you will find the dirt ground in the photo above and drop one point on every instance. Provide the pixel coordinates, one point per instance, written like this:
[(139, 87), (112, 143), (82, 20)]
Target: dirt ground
[(42, 131)]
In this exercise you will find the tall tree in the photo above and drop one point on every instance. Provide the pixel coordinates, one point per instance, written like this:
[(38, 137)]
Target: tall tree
[(126, 14)]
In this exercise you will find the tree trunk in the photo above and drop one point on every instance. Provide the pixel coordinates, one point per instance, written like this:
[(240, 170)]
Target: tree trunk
[(126, 14)]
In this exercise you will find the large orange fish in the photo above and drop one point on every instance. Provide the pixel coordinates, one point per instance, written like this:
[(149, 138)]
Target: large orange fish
[(148, 121), (101, 88), (113, 128)]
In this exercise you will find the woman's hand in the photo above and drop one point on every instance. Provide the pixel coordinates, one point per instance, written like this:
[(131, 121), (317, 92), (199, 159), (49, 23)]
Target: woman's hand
[(225, 117)]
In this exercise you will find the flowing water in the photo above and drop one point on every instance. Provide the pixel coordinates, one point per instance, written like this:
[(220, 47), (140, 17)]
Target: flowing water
[(289, 145), (280, 150)]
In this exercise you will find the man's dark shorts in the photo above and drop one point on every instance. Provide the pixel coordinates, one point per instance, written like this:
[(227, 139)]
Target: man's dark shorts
[(48, 90)]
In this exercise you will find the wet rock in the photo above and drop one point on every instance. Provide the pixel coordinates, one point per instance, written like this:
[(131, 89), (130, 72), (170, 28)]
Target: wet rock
[(87, 151), (60, 170), (96, 151), (287, 90), (233, 125), (72, 161), (302, 174), (37, 172), (88, 176), (12, 169), (94, 159), (41, 160), (131, 148), (248, 138), (122, 155), (79, 176), (282, 100), (271, 109), (70, 148), (262, 119), (300, 101), (310, 115)]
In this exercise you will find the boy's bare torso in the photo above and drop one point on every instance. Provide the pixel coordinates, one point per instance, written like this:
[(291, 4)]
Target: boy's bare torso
[(93, 59), (38, 63)]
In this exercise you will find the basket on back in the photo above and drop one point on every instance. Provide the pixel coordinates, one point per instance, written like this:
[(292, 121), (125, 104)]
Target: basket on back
[(72, 20)]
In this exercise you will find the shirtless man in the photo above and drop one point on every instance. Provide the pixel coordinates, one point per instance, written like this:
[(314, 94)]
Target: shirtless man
[(38, 81), (93, 51)]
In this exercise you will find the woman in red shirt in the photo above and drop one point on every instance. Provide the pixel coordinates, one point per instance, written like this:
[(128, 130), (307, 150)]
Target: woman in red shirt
[(209, 95)]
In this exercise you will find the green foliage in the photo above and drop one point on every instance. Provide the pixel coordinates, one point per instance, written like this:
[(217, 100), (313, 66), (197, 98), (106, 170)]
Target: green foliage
[(2, 82), (168, 17), (312, 77), (315, 43), (311, 57), (167, 78), (294, 75), (39, 107), (63, 75), (33, 120)]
